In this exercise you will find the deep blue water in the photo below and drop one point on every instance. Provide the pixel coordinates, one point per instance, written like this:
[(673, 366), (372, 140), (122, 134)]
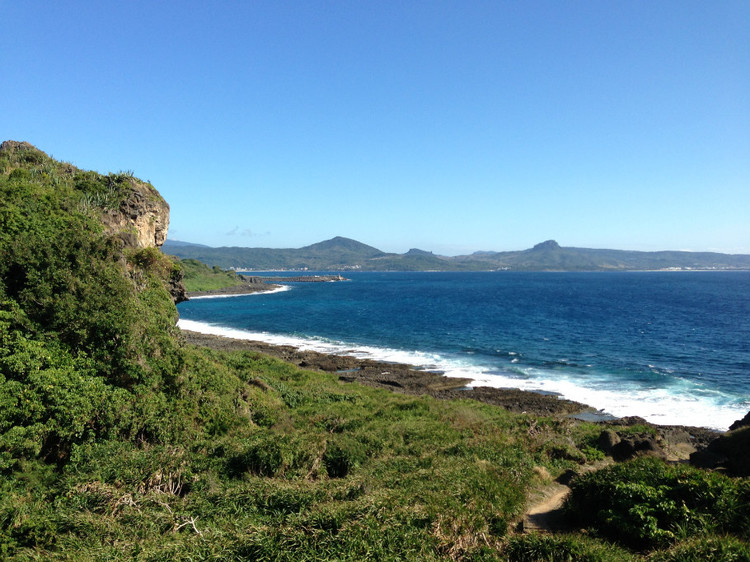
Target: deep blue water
[(673, 347)]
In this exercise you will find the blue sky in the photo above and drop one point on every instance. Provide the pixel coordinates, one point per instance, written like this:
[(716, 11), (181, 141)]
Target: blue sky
[(447, 126)]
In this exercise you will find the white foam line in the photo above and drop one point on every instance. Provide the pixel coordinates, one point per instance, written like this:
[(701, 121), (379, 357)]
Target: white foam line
[(659, 406), (280, 289)]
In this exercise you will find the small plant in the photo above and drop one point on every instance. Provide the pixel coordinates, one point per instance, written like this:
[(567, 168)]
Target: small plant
[(562, 548), (342, 456), (700, 549)]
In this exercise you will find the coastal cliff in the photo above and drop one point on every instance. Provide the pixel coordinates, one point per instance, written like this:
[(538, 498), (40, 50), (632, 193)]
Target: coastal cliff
[(119, 207), (130, 208)]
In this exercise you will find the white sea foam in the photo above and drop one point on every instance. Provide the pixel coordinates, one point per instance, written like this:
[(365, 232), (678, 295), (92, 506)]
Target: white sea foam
[(682, 405), (279, 289)]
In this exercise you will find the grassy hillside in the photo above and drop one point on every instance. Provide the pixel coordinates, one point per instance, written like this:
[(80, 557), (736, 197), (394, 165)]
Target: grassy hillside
[(199, 277), (118, 441)]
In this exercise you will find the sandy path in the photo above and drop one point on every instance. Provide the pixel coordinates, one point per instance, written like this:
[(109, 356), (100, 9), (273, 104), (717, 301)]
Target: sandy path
[(544, 513)]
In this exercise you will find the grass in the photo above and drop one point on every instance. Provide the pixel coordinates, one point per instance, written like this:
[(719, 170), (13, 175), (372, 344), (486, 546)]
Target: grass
[(200, 277), (307, 468), (340, 472)]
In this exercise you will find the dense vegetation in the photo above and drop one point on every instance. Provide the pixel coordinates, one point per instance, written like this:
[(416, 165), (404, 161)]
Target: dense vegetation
[(119, 441), (647, 504)]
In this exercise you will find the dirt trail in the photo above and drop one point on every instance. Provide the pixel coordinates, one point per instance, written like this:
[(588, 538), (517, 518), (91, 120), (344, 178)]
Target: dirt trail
[(544, 513)]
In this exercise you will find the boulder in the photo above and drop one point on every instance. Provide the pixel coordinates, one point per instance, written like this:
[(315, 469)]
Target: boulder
[(607, 440), (730, 452), (636, 447)]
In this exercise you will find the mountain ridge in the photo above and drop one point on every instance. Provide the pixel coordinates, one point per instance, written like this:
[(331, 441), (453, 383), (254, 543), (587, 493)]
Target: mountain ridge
[(340, 253)]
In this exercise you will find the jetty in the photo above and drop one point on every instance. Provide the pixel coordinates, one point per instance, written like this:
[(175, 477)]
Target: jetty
[(296, 279)]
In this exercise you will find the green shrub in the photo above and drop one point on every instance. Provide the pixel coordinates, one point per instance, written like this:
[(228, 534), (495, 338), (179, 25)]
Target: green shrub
[(647, 503), (343, 454), (271, 454)]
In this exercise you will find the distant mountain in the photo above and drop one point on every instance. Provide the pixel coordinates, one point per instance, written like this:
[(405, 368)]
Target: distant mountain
[(550, 256), (346, 254), (341, 250)]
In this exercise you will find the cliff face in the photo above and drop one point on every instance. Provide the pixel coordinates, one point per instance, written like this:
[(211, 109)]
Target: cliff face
[(140, 215), (129, 209), (142, 218)]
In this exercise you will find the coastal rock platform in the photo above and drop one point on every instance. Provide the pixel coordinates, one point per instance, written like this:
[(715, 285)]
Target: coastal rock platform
[(675, 443), (398, 377)]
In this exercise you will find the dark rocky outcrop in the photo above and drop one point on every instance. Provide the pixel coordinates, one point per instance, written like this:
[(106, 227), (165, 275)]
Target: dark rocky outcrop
[(637, 447), (744, 422), (607, 440), (729, 452), (675, 443)]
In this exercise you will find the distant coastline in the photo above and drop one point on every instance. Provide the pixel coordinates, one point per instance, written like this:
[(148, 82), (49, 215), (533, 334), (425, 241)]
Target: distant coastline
[(344, 254), (254, 285)]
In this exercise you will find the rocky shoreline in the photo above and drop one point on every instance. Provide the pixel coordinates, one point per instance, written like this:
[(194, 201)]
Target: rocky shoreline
[(255, 284), (247, 288), (397, 377), (673, 442)]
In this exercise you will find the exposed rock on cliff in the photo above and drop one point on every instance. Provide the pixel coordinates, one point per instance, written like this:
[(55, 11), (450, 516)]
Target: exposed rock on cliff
[(142, 218), (129, 209)]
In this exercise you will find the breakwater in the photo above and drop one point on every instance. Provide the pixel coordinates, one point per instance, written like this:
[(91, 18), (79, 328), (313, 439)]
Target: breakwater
[(296, 279)]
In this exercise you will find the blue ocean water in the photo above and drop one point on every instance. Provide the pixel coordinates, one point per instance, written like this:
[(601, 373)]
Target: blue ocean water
[(672, 347)]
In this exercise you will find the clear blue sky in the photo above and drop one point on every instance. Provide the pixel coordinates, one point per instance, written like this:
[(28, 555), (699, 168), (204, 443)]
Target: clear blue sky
[(447, 126)]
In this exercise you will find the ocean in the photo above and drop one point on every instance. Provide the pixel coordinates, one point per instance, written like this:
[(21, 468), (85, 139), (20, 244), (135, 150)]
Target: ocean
[(671, 347)]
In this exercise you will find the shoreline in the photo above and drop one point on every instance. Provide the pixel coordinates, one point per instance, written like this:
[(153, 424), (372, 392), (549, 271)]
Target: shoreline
[(596, 404), (253, 285), (397, 377), (237, 291), (409, 380)]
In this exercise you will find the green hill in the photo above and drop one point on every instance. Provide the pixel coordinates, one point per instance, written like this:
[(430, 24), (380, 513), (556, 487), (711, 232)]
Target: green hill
[(198, 276), (343, 253), (121, 441)]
